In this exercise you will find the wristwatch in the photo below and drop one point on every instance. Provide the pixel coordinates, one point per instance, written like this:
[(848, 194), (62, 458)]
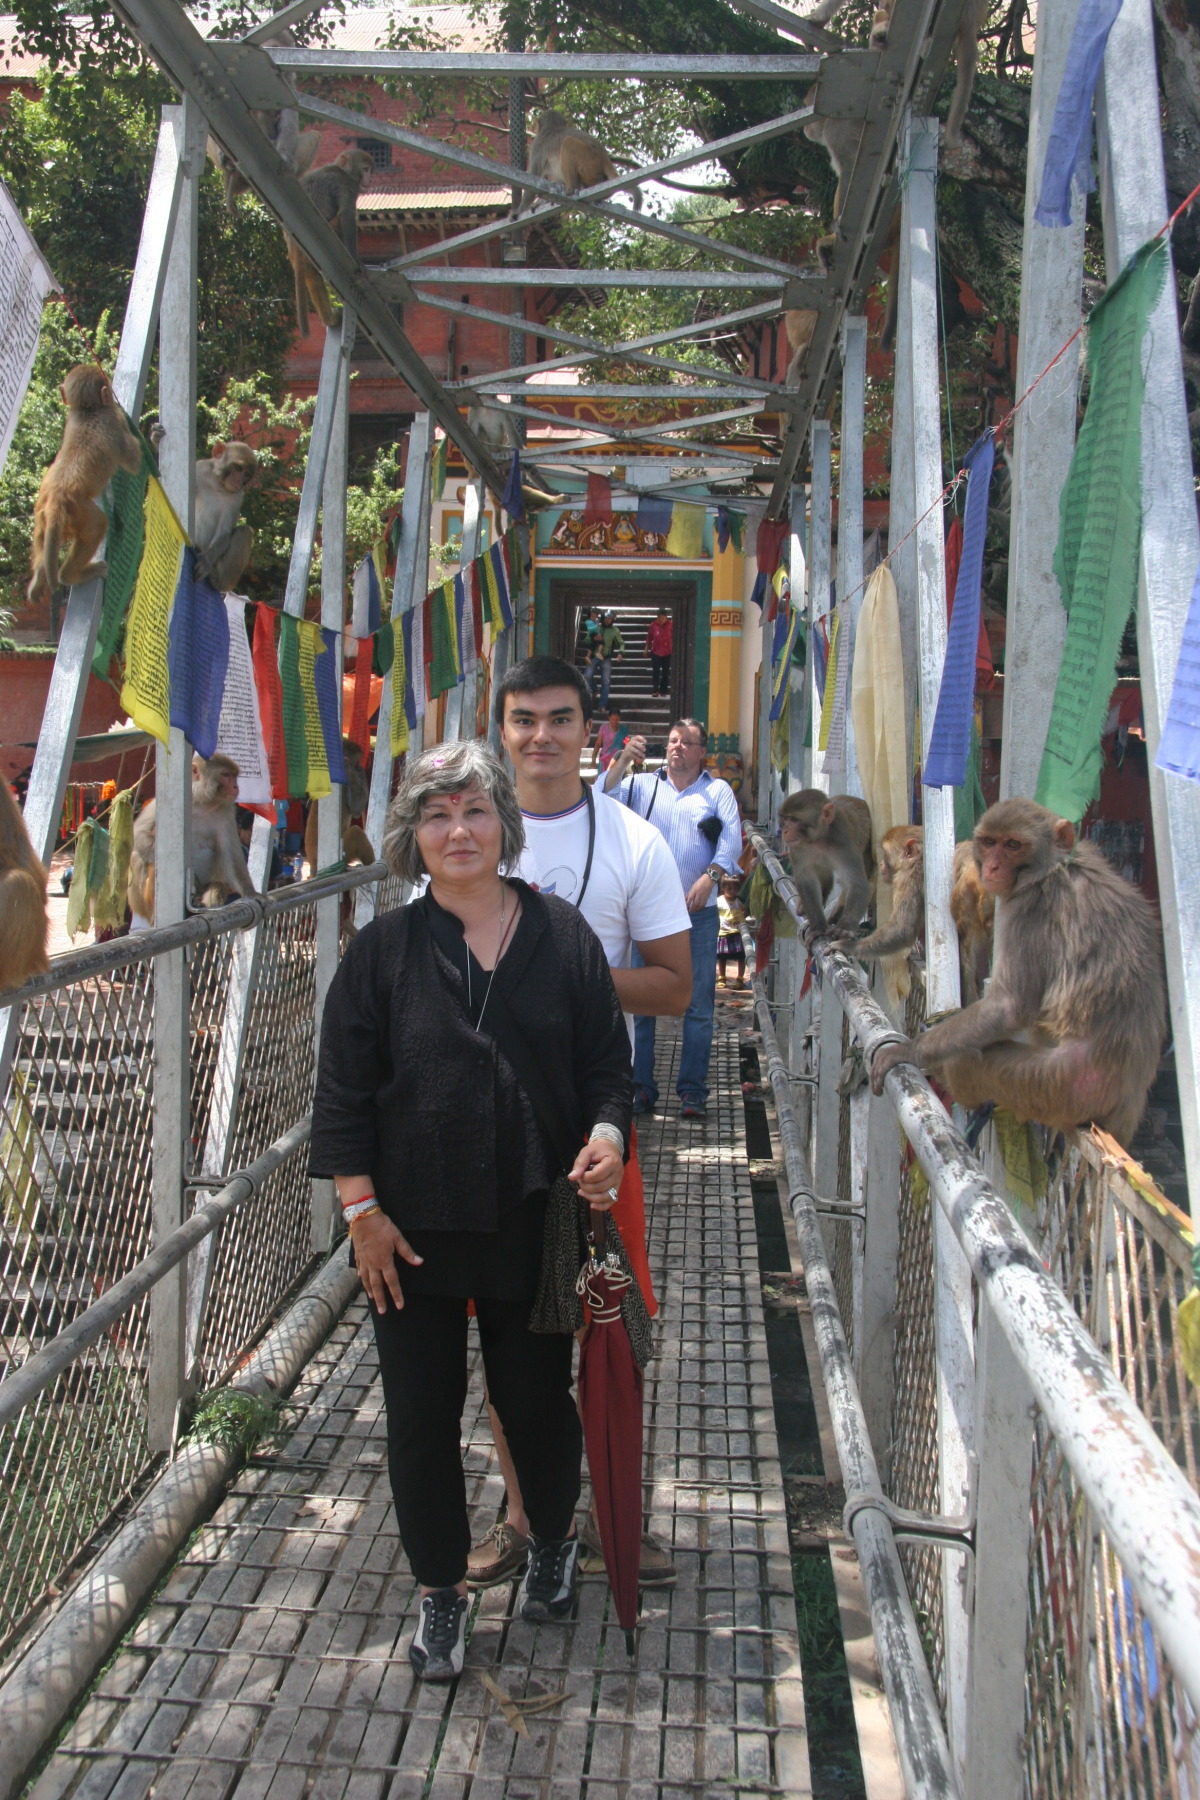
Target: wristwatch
[(715, 872)]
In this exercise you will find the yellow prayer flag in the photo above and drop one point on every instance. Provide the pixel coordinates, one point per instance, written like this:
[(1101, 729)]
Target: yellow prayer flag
[(311, 645), (686, 536), (146, 694), (399, 722), (830, 683), (877, 708)]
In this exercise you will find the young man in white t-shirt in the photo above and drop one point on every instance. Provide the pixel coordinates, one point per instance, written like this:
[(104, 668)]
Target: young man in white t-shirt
[(620, 873)]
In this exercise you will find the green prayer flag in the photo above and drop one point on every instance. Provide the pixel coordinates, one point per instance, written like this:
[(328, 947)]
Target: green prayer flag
[(737, 530), (969, 802), (123, 554), (1099, 539), (384, 651), (443, 670), (294, 736)]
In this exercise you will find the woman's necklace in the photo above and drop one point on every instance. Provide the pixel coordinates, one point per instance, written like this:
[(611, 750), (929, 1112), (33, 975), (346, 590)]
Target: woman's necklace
[(499, 951)]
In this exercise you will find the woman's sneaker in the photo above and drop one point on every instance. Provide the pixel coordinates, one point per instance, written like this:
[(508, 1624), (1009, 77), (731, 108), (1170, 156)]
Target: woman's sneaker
[(440, 1640), (552, 1578)]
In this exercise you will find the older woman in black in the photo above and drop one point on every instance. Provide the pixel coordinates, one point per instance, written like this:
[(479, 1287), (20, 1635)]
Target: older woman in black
[(472, 1048)]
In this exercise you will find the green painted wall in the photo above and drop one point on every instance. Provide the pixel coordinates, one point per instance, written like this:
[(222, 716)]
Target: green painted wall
[(701, 577)]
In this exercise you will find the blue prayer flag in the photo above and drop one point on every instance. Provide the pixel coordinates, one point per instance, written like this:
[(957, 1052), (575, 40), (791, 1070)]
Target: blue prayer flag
[(497, 555), (197, 657), (512, 499), (950, 739), (722, 528), (460, 607), (820, 650), (325, 680), (1069, 147), (654, 515), (410, 694), (1179, 747)]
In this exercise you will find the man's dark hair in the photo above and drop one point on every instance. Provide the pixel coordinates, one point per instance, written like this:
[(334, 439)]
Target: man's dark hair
[(688, 724), (536, 673)]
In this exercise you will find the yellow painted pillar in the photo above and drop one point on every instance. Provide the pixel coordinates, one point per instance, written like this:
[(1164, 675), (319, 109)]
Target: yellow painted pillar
[(725, 626)]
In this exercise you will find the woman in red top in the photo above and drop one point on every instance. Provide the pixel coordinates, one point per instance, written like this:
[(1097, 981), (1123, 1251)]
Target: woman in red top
[(658, 644)]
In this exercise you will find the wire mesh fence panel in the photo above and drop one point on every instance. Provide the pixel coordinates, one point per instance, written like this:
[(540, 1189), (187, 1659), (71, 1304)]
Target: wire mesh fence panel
[(1104, 1713), (840, 1232), (75, 1215)]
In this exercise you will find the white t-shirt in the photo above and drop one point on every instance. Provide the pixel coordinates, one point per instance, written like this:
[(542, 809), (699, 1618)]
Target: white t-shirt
[(634, 893)]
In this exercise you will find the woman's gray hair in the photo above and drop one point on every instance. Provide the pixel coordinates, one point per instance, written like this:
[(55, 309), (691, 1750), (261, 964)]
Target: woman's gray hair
[(449, 769)]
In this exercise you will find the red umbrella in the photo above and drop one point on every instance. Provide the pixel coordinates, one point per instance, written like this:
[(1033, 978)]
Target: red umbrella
[(610, 1400)]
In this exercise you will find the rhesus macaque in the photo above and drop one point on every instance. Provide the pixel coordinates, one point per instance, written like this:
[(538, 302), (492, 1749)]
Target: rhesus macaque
[(218, 864), (1072, 1024), (570, 158), (97, 440), (973, 910), (333, 190), (23, 883), (297, 148), (902, 867), (840, 138), (829, 832), (356, 845), (495, 426), (966, 48), (222, 545), (799, 323)]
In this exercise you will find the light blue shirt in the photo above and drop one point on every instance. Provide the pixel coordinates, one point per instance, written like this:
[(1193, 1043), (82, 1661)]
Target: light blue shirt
[(677, 814)]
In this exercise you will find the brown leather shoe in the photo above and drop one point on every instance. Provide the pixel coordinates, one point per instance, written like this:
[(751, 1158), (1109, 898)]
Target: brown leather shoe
[(498, 1556), (655, 1568)]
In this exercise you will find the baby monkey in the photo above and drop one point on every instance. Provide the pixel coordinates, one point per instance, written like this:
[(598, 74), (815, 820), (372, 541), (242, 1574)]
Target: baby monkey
[(827, 835), (222, 545), (570, 158), (97, 441), (902, 868)]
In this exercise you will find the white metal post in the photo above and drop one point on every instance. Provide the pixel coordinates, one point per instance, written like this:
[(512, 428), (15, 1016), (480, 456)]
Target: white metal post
[(1043, 432), (850, 514), (329, 809), (171, 1130), (902, 546), (821, 559), (1133, 193)]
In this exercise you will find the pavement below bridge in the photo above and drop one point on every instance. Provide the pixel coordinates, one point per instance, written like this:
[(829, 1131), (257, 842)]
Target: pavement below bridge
[(271, 1664)]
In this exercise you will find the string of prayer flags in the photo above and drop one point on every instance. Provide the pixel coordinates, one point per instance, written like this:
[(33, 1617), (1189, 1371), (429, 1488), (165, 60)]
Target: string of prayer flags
[(325, 677), (513, 498), (443, 662), (359, 728), (654, 515), (598, 507), (1069, 146), (950, 739), (268, 685), (146, 693), (400, 697), (1179, 746), (768, 549), (366, 610), (197, 657), (239, 729), (1100, 534), (437, 476), (686, 536), (123, 553), (789, 624)]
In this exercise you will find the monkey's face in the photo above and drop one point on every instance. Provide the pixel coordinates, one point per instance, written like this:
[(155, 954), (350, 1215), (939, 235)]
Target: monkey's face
[(1000, 861), (237, 465)]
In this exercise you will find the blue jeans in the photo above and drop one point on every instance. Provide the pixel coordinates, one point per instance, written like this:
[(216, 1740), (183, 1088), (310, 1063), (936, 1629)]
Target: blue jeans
[(692, 1083), (602, 681)]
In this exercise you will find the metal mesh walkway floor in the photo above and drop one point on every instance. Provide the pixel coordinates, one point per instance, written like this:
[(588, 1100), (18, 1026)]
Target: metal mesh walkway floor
[(271, 1664)]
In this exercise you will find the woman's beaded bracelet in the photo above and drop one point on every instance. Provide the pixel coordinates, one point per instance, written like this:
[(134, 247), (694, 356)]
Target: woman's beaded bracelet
[(361, 1209)]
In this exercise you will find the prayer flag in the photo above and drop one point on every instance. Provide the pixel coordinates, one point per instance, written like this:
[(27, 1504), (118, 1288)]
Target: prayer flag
[(950, 739), (768, 548), (598, 507), (500, 571), (788, 626), (443, 666), (1069, 146), (146, 694), (409, 624), (491, 591), (737, 530), (437, 477), (123, 554), (475, 579), (835, 744), (365, 612), (877, 704), (325, 675), (1100, 534), (654, 515), (721, 528), (269, 688), (461, 628), (239, 730), (25, 281), (820, 655), (686, 536), (359, 730), (831, 666), (414, 646), (197, 657), (1179, 747), (294, 733), (512, 499), (310, 647), (399, 720)]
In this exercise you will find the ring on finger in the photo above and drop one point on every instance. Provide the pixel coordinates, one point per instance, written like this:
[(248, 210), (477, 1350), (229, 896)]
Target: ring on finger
[(612, 1193)]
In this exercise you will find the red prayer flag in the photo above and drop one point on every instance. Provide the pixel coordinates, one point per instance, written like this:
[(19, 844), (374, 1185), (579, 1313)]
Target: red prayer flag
[(598, 509), (270, 698), (359, 730), (768, 545)]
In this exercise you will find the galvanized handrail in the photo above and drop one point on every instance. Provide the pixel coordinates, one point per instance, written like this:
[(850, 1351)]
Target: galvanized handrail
[(921, 1744), (1146, 1506), (207, 922), (27, 1382)]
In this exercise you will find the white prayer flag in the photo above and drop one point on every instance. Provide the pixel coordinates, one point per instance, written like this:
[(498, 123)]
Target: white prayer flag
[(25, 280), (239, 734)]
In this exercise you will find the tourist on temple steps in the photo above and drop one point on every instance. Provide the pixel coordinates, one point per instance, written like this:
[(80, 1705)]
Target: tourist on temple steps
[(472, 1050)]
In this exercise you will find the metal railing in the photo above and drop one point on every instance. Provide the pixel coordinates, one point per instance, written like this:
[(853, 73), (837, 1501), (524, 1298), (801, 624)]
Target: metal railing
[(76, 1204), (1085, 1288)]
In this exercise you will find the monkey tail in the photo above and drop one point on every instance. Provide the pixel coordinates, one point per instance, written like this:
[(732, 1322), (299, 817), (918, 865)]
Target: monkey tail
[(301, 288)]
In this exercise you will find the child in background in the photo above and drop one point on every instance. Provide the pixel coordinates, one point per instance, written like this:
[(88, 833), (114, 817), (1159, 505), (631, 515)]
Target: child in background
[(610, 739), (731, 915)]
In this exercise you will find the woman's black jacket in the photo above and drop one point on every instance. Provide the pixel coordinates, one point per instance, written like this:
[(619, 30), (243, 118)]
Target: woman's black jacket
[(406, 1086)]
